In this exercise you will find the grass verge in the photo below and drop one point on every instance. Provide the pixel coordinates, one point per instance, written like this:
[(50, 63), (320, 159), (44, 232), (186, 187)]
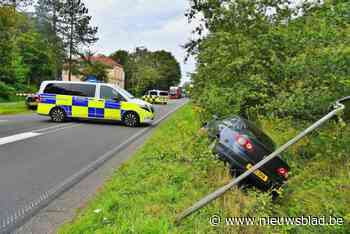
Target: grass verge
[(13, 108), (175, 168)]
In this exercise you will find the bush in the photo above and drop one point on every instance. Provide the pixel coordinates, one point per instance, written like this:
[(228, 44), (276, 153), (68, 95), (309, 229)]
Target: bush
[(6, 91), (270, 67)]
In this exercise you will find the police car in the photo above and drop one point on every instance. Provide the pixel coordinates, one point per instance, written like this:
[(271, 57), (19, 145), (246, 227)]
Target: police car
[(64, 100), (156, 97)]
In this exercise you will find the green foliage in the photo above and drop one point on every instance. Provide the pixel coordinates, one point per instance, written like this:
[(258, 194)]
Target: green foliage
[(120, 56), (5, 90), (268, 65), (27, 56), (172, 171), (75, 28), (7, 45), (96, 69), (38, 56), (160, 180), (144, 78), (146, 70), (318, 183)]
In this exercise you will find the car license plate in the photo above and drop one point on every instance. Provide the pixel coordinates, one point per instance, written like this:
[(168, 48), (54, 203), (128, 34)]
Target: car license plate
[(258, 173)]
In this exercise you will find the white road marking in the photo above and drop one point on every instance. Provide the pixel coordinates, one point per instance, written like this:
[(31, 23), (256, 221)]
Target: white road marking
[(18, 137), (3, 120), (53, 127), (63, 128), (35, 133)]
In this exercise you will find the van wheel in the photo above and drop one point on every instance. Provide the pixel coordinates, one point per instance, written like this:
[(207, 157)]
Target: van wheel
[(58, 115), (131, 119)]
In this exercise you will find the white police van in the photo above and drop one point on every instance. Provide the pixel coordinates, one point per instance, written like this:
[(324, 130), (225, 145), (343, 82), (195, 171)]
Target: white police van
[(64, 100)]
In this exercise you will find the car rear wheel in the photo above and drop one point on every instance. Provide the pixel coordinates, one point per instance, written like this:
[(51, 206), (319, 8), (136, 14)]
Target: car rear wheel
[(58, 115), (131, 119)]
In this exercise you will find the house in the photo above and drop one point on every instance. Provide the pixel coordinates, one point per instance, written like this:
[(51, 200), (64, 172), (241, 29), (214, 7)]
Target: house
[(116, 74)]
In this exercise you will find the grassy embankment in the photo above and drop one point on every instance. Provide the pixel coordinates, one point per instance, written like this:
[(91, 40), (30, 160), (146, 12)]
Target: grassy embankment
[(175, 168), (7, 108)]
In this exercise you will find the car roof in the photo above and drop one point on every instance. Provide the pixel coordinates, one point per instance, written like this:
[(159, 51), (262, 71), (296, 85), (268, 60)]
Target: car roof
[(69, 82), (157, 90)]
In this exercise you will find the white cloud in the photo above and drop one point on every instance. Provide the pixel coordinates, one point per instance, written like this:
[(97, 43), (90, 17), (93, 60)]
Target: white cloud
[(155, 24)]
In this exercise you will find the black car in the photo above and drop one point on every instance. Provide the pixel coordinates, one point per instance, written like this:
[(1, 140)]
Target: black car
[(242, 145), (32, 101)]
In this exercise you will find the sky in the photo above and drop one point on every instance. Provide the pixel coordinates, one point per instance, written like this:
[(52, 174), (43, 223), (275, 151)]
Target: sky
[(154, 24)]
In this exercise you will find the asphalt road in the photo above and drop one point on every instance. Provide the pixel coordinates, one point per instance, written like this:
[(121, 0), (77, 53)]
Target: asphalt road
[(37, 155)]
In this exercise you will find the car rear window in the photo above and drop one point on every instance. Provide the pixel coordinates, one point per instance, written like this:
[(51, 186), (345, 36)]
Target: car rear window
[(82, 90), (154, 93), (164, 94)]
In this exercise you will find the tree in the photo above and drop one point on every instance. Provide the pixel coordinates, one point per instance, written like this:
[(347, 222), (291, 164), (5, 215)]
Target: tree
[(95, 69), (269, 57), (120, 56), (85, 67), (48, 22), (146, 70), (7, 45), (27, 55), (169, 69), (39, 57), (123, 58), (48, 11), (17, 4), (76, 29)]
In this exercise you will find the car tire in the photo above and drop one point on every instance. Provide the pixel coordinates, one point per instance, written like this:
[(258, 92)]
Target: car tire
[(58, 115), (131, 119)]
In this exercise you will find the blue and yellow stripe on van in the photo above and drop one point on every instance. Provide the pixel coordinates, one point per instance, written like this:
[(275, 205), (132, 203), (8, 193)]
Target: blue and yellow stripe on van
[(82, 107)]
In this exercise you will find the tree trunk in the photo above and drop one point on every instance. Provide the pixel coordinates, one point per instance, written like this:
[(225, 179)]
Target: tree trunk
[(70, 50), (54, 29)]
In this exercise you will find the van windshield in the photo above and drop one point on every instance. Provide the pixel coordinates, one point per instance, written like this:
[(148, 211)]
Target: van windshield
[(125, 93)]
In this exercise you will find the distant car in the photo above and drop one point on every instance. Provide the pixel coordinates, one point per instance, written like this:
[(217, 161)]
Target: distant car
[(175, 93), (32, 101), (242, 145), (156, 97)]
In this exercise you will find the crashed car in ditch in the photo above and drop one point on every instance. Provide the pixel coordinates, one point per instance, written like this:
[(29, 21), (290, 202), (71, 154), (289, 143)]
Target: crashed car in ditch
[(241, 144)]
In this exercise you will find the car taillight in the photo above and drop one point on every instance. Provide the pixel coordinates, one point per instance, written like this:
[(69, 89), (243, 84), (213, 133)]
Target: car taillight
[(282, 172), (244, 142), (38, 99)]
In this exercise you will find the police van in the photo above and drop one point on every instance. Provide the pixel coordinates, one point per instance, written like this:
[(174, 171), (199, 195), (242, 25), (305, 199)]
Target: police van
[(64, 100), (156, 97)]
